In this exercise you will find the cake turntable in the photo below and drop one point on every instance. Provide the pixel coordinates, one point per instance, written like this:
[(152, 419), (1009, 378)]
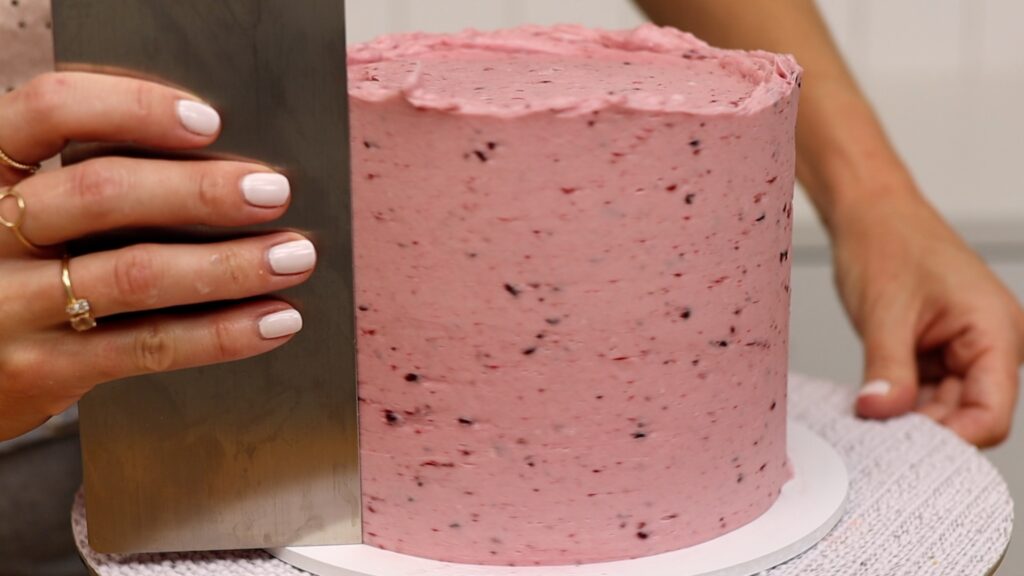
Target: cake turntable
[(809, 507)]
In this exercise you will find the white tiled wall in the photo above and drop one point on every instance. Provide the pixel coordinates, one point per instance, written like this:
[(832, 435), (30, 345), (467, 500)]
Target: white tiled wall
[(947, 77), (369, 18)]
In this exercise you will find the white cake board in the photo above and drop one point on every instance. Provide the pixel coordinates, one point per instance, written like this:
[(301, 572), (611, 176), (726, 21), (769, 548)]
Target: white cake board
[(809, 507)]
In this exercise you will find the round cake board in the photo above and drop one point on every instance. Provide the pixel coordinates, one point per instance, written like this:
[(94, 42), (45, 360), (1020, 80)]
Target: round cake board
[(808, 508)]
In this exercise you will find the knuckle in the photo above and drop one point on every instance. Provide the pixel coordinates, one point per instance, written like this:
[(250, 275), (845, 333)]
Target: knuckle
[(21, 369), (94, 183), (967, 347), (43, 96), (225, 341), (136, 276), (210, 187), (153, 349), (27, 381), (234, 266), (144, 101)]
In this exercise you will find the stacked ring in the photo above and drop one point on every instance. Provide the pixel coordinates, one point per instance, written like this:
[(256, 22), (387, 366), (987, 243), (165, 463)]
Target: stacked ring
[(12, 163), (15, 225), (79, 310)]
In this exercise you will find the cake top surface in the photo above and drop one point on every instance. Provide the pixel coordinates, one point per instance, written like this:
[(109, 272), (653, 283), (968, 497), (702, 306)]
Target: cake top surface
[(569, 70)]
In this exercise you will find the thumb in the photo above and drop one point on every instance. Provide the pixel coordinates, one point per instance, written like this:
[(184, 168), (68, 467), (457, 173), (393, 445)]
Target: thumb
[(890, 371)]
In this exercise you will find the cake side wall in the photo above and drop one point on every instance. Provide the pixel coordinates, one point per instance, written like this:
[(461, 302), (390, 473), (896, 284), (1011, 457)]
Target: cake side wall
[(572, 330)]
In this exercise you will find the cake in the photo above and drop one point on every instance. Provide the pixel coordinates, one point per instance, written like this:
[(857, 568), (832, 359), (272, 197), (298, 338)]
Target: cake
[(572, 280)]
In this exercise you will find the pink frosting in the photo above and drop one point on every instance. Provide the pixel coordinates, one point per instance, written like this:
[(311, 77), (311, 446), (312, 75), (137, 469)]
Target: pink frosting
[(27, 40), (572, 257), (532, 69)]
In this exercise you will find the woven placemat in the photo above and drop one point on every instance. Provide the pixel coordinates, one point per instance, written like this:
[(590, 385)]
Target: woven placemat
[(921, 502)]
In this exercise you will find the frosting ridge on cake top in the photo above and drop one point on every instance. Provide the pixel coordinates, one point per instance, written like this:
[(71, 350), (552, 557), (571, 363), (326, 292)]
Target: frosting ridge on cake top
[(570, 70)]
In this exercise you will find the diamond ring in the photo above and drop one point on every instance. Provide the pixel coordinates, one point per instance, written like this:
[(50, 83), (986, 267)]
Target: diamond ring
[(78, 309)]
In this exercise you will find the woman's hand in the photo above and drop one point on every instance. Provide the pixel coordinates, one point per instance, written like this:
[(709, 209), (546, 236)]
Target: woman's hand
[(941, 333), (45, 366)]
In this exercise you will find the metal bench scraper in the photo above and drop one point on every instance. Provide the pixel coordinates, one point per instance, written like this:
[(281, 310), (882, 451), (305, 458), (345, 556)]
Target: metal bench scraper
[(263, 452)]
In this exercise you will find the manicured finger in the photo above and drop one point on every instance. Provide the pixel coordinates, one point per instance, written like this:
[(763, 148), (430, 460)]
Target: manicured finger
[(111, 193), (38, 119), (154, 276), (989, 395), (891, 383), (150, 344)]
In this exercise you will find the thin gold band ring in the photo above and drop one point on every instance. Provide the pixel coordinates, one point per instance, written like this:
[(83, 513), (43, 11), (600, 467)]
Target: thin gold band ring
[(12, 163)]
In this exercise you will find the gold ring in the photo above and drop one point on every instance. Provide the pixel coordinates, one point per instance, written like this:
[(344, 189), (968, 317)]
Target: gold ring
[(12, 163), (15, 225), (78, 309)]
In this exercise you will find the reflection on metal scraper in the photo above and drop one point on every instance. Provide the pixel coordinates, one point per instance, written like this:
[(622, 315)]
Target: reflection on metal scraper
[(262, 452)]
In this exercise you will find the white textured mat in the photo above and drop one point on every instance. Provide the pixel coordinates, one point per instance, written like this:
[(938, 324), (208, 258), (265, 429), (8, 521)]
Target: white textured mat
[(920, 502)]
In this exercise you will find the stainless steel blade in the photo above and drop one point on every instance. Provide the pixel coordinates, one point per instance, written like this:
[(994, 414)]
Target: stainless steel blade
[(262, 452)]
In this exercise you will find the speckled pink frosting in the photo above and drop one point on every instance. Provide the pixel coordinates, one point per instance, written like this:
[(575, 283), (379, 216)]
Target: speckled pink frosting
[(572, 256)]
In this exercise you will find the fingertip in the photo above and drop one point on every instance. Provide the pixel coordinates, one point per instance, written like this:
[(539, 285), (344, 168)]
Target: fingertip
[(198, 118), (281, 324), (292, 257), (881, 399), (267, 190), (875, 388)]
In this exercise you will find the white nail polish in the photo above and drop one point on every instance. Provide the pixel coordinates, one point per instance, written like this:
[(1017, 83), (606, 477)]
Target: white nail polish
[(266, 190), (280, 324), (876, 388), (198, 118), (293, 257)]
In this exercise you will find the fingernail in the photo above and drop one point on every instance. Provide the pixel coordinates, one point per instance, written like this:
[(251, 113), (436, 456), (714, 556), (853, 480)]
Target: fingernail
[(278, 324), (876, 388), (293, 257), (198, 118), (266, 190)]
